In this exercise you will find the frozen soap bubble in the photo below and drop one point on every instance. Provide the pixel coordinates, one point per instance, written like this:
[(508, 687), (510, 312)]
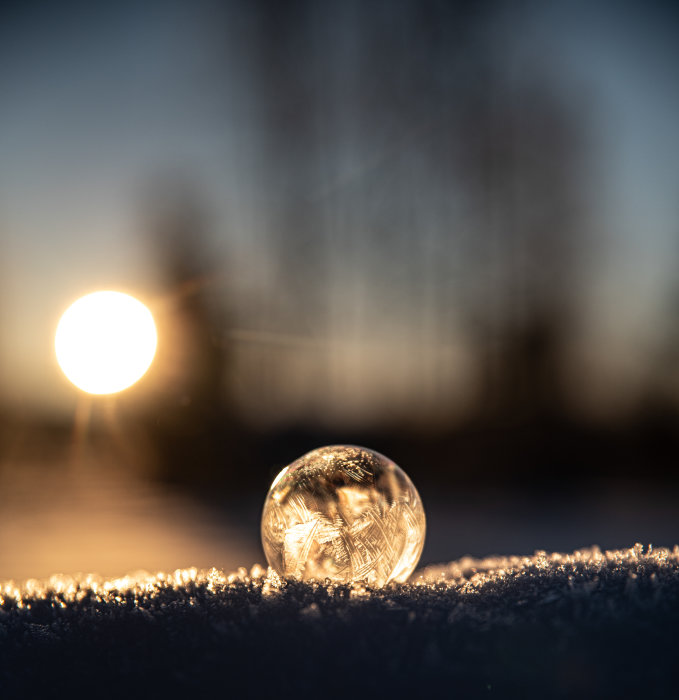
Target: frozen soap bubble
[(344, 513)]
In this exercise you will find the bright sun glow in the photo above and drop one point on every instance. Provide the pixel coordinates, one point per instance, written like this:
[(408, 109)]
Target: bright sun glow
[(105, 342)]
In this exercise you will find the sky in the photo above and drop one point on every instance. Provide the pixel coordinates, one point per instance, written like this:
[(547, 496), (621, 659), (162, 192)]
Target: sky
[(99, 99)]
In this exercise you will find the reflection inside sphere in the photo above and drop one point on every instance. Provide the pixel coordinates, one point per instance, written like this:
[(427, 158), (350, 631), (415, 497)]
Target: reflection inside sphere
[(344, 513)]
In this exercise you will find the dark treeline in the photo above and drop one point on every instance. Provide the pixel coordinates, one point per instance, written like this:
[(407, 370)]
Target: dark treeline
[(469, 183)]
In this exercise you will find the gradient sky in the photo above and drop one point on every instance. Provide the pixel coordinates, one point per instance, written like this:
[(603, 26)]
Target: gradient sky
[(97, 101)]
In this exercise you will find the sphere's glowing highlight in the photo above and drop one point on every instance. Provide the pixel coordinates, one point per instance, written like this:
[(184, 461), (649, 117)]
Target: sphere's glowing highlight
[(105, 342)]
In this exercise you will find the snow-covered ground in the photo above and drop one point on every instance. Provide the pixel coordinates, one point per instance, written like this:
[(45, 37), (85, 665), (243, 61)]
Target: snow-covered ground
[(586, 624), (589, 624)]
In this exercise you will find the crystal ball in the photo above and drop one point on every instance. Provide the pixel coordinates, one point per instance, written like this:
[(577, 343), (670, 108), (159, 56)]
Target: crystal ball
[(346, 514)]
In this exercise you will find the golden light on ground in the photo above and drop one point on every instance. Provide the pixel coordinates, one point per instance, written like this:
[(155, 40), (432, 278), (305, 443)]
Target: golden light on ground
[(105, 342)]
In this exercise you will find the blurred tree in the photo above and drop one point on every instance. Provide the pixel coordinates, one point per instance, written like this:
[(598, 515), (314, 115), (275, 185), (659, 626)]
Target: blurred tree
[(288, 73), (190, 420), (409, 180), (522, 151)]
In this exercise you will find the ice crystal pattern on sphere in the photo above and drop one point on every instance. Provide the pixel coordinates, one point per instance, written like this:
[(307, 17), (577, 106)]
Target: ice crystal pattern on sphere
[(344, 513)]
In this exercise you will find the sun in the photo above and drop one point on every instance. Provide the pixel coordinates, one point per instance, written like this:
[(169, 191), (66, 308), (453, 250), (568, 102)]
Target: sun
[(105, 342)]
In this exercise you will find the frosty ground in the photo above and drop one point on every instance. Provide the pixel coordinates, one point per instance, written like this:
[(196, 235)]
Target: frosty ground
[(589, 623)]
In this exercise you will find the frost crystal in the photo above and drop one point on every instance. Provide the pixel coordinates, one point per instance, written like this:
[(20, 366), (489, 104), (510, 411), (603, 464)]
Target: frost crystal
[(343, 513)]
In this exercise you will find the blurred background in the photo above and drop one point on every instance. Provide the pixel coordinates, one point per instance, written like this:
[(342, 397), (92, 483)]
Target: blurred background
[(448, 231)]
